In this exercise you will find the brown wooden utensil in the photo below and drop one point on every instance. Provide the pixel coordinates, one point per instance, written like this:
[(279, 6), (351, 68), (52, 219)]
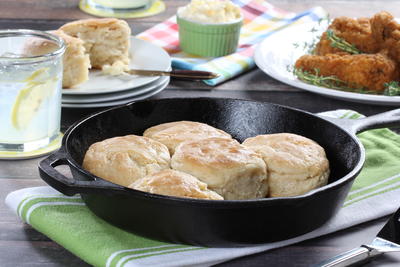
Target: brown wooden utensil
[(184, 74)]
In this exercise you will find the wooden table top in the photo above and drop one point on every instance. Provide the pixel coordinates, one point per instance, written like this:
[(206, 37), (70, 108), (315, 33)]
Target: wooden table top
[(20, 245)]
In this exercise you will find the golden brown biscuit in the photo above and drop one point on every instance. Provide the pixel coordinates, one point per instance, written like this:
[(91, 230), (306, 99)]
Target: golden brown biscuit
[(76, 62), (172, 134), (107, 40), (295, 163), (228, 168), (175, 183), (123, 160)]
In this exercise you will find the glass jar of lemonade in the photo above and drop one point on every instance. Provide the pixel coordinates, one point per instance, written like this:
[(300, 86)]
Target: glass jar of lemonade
[(121, 4), (30, 89)]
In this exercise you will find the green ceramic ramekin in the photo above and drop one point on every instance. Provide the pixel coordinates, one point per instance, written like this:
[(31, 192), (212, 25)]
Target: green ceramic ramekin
[(208, 40)]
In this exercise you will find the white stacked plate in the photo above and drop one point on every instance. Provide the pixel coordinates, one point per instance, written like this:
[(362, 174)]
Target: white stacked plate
[(105, 90)]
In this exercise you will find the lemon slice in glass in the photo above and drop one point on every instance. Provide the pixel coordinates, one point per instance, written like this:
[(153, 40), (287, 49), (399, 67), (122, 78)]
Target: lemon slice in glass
[(30, 98), (38, 76)]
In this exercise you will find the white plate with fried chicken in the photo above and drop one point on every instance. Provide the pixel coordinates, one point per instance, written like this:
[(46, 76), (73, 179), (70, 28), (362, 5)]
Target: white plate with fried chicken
[(350, 59)]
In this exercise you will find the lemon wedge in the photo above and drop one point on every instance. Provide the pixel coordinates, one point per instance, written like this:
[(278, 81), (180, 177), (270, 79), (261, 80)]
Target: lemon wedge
[(38, 76), (31, 97)]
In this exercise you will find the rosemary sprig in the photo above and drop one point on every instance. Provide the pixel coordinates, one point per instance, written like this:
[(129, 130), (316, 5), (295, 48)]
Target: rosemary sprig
[(328, 19), (331, 82), (319, 80), (309, 46), (392, 89), (341, 44)]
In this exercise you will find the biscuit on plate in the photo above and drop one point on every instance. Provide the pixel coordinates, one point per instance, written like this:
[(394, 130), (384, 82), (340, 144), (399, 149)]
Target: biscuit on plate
[(295, 163), (172, 134), (76, 62), (174, 183), (123, 160), (227, 167), (107, 41)]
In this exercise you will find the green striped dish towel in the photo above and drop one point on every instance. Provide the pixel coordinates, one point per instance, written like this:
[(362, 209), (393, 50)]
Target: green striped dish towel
[(67, 220)]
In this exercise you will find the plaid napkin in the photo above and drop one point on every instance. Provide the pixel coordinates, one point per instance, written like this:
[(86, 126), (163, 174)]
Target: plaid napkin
[(67, 220), (261, 19)]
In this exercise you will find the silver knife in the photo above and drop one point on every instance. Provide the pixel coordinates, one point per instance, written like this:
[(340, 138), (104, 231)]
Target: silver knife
[(187, 74), (387, 240)]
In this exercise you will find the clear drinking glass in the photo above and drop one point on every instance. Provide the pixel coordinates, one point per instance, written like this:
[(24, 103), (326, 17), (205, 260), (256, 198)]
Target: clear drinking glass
[(30, 89), (115, 8), (117, 5)]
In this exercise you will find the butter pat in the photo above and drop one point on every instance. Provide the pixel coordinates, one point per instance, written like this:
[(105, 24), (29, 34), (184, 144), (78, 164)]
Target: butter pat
[(210, 11), (117, 68)]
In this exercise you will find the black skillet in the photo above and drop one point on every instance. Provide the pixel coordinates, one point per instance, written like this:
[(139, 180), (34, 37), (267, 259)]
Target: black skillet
[(212, 222)]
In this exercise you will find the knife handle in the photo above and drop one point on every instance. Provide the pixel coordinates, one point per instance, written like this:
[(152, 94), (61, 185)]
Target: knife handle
[(352, 257), (193, 74)]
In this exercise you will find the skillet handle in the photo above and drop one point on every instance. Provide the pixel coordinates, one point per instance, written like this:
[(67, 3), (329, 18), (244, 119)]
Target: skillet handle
[(382, 120), (67, 185)]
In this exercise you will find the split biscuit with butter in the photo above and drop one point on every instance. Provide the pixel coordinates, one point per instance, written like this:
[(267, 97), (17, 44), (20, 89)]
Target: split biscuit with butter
[(227, 167), (107, 41), (175, 183), (125, 159), (90, 43), (172, 134), (76, 62), (295, 163)]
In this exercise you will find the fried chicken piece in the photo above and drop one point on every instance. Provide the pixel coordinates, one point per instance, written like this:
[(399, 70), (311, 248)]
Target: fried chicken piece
[(379, 23), (378, 38), (355, 31), (386, 32), (370, 71)]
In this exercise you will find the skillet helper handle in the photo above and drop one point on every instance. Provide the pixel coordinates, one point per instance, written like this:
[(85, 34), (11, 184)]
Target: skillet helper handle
[(381, 120), (69, 186), (352, 257)]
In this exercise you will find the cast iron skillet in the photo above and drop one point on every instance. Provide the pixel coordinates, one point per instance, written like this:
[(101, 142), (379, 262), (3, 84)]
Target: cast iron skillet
[(212, 222)]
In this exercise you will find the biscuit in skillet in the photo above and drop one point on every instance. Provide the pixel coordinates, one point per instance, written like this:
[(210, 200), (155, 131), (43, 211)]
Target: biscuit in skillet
[(230, 169), (174, 183), (172, 134), (295, 164), (123, 160)]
